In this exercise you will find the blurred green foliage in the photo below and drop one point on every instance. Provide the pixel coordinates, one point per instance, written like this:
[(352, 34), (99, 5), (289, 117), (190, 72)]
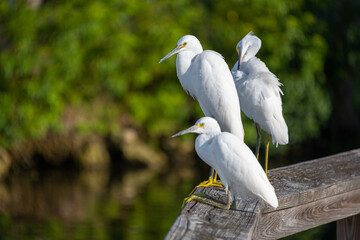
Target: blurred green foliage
[(101, 59), (95, 64)]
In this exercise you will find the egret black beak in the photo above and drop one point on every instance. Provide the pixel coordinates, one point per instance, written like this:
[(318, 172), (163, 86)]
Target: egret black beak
[(241, 55), (174, 51), (192, 129), (189, 130)]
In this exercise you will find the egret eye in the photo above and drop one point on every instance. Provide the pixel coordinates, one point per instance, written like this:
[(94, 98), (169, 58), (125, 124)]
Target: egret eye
[(182, 45), (238, 49), (201, 124)]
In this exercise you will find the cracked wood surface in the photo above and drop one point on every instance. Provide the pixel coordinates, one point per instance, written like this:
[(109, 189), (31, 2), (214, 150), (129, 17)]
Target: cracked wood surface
[(310, 194)]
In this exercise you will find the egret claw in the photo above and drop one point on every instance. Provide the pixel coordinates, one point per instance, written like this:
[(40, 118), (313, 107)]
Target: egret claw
[(207, 183), (203, 198)]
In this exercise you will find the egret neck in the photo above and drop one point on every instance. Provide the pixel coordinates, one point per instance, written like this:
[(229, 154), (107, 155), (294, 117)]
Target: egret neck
[(204, 137), (183, 62)]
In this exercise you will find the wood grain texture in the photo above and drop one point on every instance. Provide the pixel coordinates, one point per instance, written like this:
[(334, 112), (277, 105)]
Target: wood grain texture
[(317, 179), (202, 221), (348, 228), (310, 194), (286, 222)]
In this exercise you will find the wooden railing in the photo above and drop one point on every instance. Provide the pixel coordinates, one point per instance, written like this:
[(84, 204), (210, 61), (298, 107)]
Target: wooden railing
[(310, 194)]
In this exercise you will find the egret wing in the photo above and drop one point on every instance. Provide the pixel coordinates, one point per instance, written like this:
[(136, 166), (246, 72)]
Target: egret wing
[(260, 98), (216, 92), (241, 170)]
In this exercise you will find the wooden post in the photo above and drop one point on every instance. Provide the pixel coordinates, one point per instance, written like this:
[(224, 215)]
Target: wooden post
[(310, 194), (348, 228)]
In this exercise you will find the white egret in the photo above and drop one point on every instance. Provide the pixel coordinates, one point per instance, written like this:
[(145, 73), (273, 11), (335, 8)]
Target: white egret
[(239, 170), (207, 77), (259, 94)]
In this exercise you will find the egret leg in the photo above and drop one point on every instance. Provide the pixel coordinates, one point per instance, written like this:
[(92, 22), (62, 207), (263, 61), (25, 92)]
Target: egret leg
[(267, 153), (214, 174), (200, 197), (210, 182), (258, 140)]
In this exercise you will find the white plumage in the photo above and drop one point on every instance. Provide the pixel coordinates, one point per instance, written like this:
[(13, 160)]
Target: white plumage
[(259, 90), (207, 78), (235, 163)]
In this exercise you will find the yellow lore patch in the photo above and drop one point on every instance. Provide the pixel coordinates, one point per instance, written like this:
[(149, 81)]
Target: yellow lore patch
[(182, 45), (200, 125)]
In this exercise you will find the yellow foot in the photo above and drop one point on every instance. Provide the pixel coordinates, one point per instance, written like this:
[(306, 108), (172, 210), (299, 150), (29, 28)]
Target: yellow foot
[(186, 200), (201, 197), (210, 182), (207, 183)]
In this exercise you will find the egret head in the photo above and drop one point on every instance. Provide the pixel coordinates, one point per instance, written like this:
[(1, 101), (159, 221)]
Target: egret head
[(203, 125), (186, 43), (248, 47)]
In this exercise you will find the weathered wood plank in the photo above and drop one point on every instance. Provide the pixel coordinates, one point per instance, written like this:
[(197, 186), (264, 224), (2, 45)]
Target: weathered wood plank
[(348, 228), (202, 221), (313, 180), (310, 194), (285, 222)]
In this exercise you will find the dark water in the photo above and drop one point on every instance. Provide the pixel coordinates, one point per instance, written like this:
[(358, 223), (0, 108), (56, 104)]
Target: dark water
[(76, 204), (63, 204)]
